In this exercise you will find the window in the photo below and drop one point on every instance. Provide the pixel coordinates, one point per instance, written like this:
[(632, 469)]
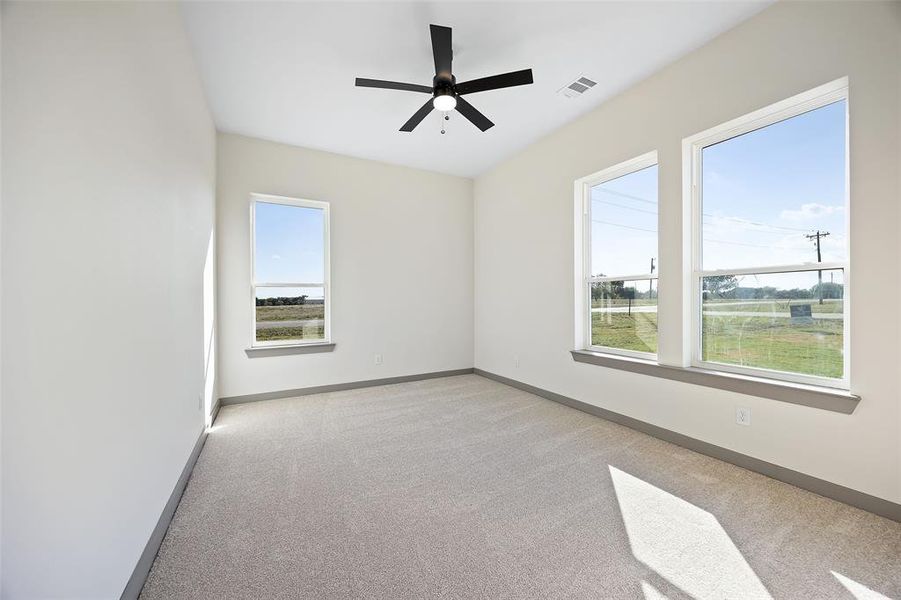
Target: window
[(770, 261), (290, 271), (620, 257)]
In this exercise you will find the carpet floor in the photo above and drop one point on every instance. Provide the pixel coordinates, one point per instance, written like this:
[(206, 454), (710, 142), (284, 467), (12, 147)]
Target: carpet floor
[(463, 487)]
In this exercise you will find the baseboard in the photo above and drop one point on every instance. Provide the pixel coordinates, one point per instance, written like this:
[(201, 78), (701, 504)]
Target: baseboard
[(338, 387), (142, 569), (873, 504), (215, 412)]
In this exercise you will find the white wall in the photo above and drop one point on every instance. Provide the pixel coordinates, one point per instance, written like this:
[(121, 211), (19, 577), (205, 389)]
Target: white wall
[(108, 188), (524, 238), (401, 258)]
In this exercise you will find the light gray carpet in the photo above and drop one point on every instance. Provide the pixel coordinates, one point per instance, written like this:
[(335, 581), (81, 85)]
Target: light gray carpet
[(466, 488)]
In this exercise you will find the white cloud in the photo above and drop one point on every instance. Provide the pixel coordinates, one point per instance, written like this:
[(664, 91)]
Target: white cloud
[(276, 257), (811, 210)]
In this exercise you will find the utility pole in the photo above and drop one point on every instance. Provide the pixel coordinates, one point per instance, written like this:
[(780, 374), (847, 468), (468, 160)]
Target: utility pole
[(651, 282), (810, 236)]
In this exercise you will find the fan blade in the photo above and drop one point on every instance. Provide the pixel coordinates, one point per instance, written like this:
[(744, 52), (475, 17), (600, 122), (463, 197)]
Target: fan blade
[(441, 49), (469, 111), (495, 82), (393, 85), (417, 118)]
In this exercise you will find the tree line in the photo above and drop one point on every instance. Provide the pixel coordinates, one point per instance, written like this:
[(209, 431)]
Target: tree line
[(724, 287), (283, 301)]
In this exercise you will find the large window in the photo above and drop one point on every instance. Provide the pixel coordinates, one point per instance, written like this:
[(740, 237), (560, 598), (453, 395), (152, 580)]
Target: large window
[(770, 260), (290, 279), (620, 257)]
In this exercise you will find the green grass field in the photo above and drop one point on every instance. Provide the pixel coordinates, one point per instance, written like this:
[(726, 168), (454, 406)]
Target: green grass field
[(762, 342), (774, 343), (291, 313), (637, 331), (303, 312)]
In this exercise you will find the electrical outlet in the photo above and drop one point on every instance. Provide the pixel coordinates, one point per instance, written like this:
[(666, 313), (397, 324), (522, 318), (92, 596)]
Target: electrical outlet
[(378, 359), (516, 360), (743, 416)]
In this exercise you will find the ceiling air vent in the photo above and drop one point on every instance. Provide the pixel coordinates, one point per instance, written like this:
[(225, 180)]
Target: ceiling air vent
[(577, 87)]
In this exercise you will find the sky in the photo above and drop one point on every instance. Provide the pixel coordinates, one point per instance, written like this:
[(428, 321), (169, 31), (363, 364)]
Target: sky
[(289, 248), (761, 193)]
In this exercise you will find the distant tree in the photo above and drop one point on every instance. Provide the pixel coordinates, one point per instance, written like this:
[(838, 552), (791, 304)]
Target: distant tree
[(607, 290), (831, 291), (793, 294), (283, 301), (720, 286)]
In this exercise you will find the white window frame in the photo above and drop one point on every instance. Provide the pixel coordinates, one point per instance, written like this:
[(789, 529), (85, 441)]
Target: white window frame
[(691, 147), (324, 285), (582, 204)]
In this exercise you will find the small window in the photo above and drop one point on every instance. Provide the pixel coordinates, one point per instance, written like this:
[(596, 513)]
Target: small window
[(620, 256), (289, 285), (771, 243)]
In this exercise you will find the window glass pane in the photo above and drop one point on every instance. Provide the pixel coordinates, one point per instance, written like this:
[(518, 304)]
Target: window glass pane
[(289, 244), (784, 322), (624, 224), (286, 314), (624, 315), (765, 193)]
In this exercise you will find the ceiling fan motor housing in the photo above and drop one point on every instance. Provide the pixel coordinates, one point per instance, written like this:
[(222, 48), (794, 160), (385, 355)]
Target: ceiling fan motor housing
[(444, 86)]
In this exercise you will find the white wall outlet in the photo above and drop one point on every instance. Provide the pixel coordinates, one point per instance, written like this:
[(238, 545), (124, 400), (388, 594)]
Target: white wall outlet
[(743, 416), (378, 359), (516, 360)]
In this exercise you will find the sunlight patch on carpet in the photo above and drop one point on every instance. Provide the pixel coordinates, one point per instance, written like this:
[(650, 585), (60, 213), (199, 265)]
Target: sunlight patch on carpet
[(684, 544), (858, 590)]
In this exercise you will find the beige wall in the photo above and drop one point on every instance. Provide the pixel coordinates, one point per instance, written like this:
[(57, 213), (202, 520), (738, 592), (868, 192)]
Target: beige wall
[(108, 197), (524, 238), (401, 266)]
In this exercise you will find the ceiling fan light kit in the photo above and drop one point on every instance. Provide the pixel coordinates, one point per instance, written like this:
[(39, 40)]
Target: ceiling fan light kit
[(444, 100), (445, 91)]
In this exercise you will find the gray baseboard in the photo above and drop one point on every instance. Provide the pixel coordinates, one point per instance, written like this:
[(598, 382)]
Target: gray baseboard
[(215, 412), (338, 387), (142, 569), (873, 504)]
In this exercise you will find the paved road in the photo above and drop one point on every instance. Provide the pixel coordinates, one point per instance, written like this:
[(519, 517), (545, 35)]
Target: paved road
[(719, 313), (622, 309), (766, 315), (274, 324)]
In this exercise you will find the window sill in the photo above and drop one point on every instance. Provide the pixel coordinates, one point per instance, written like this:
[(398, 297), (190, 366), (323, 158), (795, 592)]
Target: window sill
[(824, 398), (289, 349)]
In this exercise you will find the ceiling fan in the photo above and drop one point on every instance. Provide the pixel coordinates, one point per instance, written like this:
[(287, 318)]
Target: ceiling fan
[(446, 93)]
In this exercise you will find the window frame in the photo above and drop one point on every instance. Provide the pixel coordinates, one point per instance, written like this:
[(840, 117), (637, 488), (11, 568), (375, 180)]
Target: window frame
[(693, 146), (583, 202), (325, 285)]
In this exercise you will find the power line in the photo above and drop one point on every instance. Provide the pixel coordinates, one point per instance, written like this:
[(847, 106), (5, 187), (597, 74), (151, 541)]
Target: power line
[(738, 220), (738, 243), (624, 226), (629, 196), (655, 231), (641, 210)]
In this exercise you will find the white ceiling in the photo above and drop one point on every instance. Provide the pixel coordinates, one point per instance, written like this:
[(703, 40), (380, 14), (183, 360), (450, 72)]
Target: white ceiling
[(285, 71)]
